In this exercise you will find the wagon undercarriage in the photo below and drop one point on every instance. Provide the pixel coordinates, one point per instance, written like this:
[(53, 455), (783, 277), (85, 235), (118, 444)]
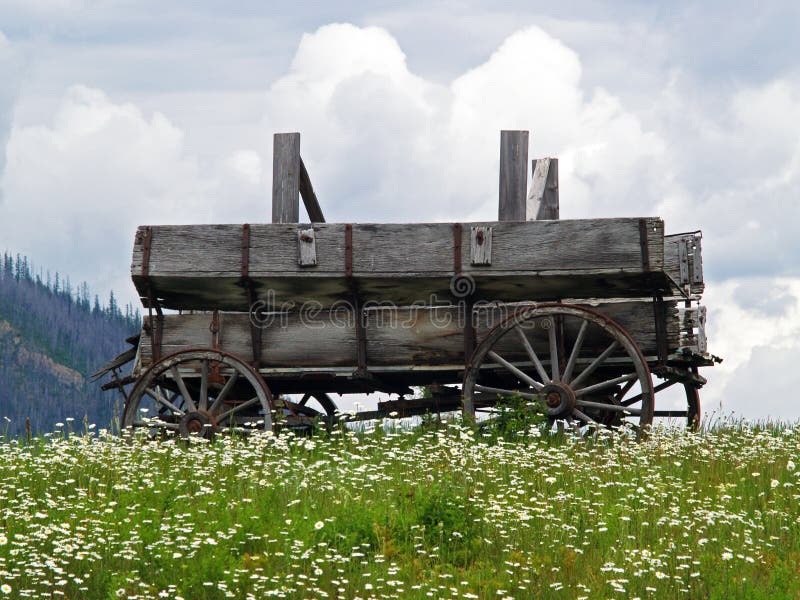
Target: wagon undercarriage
[(575, 317)]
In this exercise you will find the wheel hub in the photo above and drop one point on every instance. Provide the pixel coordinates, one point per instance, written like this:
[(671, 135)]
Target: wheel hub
[(559, 399), (200, 423)]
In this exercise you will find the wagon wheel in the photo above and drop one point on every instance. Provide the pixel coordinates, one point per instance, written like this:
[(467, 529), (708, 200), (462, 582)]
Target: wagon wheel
[(199, 392), (693, 411), (577, 363)]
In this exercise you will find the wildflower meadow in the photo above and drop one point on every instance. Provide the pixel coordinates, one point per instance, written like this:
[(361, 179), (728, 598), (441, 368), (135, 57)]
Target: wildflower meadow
[(390, 511)]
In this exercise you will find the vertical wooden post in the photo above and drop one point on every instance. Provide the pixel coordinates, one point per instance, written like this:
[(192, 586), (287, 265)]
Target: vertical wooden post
[(513, 175), (543, 196), (285, 178)]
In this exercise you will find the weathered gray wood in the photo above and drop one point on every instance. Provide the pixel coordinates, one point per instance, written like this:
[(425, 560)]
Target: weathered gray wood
[(697, 260), (285, 178), (199, 267), (513, 175), (542, 203), (481, 245), (692, 322), (683, 262), (412, 337), (306, 247), (309, 197)]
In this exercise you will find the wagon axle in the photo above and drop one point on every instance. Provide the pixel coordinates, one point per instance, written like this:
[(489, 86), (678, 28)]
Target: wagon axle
[(198, 422), (559, 399)]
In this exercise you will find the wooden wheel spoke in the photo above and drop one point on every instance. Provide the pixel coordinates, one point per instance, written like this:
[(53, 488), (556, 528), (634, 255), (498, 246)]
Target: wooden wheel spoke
[(224, 392), (163, 401), (594, 364), (519, 373), (182, 387), (576, 350), (532, 354), (203, 402), (583, 416), (604, 384), (504, 392), (228, 413), (608, 407), (554, 367)]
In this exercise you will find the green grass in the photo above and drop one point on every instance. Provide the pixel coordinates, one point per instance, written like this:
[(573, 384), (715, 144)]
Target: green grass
[(442, 512)]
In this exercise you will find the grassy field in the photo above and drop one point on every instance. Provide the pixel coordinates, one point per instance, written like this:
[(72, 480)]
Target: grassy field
[(435, 512)]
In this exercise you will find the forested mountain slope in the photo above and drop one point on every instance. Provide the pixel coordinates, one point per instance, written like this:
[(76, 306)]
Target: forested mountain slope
[(51, 338)]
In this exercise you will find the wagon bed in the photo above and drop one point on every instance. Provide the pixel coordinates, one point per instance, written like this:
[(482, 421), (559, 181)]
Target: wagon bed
[(476, 311)]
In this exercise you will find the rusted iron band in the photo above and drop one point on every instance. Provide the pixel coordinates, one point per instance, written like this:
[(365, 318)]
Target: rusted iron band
[(156, 330), (457, 248), (150, 330), (348, 250), (159, 334), (470, 339), (255, 327), (361, 335), (214, 329), (245, 251), (643, 243), (148, 243), (660, 314)]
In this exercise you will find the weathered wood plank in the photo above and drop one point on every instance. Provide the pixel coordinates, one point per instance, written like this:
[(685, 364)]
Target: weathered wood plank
[(419, 337), (306, 247), (513, 175), (199, 267), (542, 203), (285, 178), (683, 261), (310, 201), (481, 245)]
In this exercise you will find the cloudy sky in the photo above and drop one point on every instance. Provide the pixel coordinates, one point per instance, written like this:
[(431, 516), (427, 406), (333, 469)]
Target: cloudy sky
[(120, 112)]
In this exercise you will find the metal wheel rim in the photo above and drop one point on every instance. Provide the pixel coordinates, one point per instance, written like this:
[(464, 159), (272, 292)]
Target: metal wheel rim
[(616, 333), (263, 396)]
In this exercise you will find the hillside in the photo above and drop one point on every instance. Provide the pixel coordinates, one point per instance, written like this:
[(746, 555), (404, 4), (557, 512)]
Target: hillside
[(51, 338)]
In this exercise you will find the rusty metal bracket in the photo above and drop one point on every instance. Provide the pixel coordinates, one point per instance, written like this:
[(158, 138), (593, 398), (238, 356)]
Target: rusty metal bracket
[(358, 312), (155, 330), (148, 244), (215, 376), (660, 314), (361, 336), (644, 245), (470, 338), (214, 329), (245, 252), (348, 250), (457, 232), (249, 287), (256, 330)]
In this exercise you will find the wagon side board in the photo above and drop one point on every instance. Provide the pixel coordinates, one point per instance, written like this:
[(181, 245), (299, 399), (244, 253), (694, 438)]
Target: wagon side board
[(412, 338), (200, 267)]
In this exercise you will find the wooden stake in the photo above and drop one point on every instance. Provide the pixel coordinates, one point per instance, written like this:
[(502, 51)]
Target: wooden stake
[(285, 178), (513, 175), (543, 196)]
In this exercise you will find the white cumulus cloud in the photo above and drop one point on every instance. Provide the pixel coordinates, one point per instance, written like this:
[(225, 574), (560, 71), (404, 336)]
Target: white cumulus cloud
[(385, 144)]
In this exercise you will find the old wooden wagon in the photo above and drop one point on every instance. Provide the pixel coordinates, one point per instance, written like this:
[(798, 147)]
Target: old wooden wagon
[(249, 327)]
